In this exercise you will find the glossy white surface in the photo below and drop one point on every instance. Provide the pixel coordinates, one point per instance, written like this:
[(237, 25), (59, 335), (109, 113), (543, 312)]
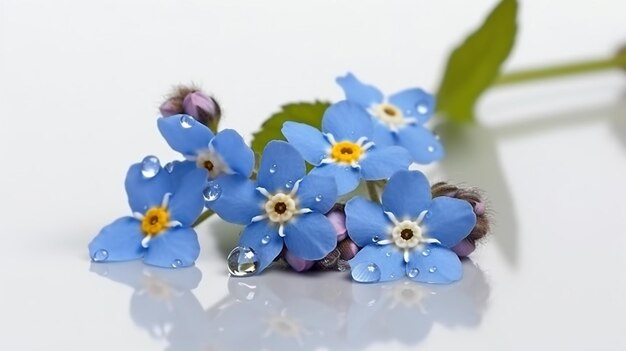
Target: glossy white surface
[(79, 87)]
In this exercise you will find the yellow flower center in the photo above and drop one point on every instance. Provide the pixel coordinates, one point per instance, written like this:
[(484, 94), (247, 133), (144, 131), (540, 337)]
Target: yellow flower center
[(155, 221), (346, 152)]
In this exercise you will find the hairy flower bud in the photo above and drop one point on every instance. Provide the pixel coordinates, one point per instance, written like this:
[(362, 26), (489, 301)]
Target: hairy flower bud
[(192, 101)]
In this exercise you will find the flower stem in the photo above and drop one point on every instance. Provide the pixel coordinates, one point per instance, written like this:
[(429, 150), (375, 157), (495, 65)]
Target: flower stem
[(371, 189), (566, 69), (206, 214)]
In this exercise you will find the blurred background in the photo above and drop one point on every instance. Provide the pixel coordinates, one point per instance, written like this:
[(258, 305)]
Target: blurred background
[(80, 86)]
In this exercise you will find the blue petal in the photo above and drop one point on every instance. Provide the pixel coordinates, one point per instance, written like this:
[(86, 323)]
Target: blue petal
[(383, 136), (382, 162), (233, 150), (239, 201), (434, 264), (281, 166), (309, 141), (187, 201), (363, 94), (188, 140), (176, 248), (421, 144), (262, 237), (407, 194), (449, 220), (179, 170), (414, 103), (388, 261), (346, 177), (366, 222), (310, 236), (144, 193), (346, 120), (317, 193), (118, 241)]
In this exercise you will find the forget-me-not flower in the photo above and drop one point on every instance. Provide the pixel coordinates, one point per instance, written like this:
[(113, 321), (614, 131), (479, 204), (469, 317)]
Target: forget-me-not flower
[(284, 207), (410, 234), (164, 206), (398, 118), (344, 149), (223, 153)]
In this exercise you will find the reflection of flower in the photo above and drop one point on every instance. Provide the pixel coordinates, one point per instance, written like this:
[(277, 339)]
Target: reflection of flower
[(398, 119), (344, 149), (224, 153), (411, 233), (284, 207), (164, 206)]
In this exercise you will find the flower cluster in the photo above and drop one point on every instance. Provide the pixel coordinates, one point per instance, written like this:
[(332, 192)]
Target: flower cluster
[(314, 219)]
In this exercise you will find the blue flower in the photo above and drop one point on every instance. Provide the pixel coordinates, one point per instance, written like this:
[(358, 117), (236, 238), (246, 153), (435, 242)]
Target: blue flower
[(344, 150), (399, 118), (410, 234), (283, 207), (164, 206), (224, 153)]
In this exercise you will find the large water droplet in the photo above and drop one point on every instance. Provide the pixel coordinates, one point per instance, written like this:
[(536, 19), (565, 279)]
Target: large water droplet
[(265, 240), (242, 262), (289, 184), (319, 198), (187, 121), (150, 166), (432, 269), (413, 272), (426, 252), (212, 192), (422, 108), (177, 263), (366, 273), (100, 255), (273, 169)]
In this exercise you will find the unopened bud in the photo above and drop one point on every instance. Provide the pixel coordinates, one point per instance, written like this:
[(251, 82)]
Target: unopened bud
[(192, 101)]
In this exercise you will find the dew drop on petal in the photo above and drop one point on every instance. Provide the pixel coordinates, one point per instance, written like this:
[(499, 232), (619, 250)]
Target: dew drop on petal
[(265, 240), (366, 273), (150, 166), (100, 255), (318, 198), (187, 121), (289, 184), (426, 252), (422, 108), (432, 269), (376, 238), (431, 149), (413, 272), (212, 192), (169, 167), (273, 169), (177, 263), (388, 254), (242, 262)]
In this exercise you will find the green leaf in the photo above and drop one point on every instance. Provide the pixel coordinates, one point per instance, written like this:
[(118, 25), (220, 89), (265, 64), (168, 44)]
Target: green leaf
[(310, 113), (475, 64)]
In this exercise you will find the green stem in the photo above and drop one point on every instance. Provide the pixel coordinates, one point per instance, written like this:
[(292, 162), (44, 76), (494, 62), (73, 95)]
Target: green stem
[(206, 214), (561, 70), (371, 189)]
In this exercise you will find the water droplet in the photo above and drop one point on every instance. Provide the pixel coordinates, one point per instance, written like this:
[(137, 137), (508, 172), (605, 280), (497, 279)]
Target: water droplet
[(426, 252), (177, 263), (432, 269), (100, 255), (289, 184), (388, 254), (422, 108), (392, 276), (265, 240), (150, 166), (376, 238), (273, 169), (323, 157), (242, 262), (169, 167), (212, 192), (187, 121), (413, 272), (431, 149), (366, 273), (318, 198)]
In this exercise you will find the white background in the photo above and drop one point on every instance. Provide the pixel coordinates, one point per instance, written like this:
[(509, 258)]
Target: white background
[(80, 83)]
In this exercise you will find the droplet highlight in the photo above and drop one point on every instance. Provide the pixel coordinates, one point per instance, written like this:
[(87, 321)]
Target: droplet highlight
[(431, 149), (376, 239), (273, 169), (426, 253), (413, 272), (432, 269), (319, 198), (177, 263), (187, 121), (422, 108), (265, 240), (366, 273), (100, 255), (212, 192), (150, 166), (242, 262), (289, 184), (169, 167)]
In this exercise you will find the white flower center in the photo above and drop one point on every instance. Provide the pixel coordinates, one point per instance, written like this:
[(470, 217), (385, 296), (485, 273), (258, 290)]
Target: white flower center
[(280, 208), (391, 116), (407, 234), (212, 162)]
